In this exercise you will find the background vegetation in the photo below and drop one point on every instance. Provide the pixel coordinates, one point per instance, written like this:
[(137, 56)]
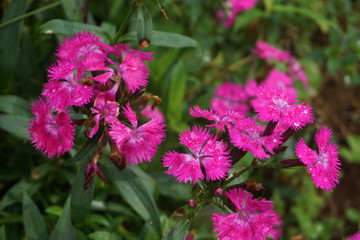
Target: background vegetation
[(40, 197)]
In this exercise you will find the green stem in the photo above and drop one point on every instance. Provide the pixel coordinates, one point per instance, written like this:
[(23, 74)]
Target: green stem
[(125, 22), (39, 10), (233, 177)]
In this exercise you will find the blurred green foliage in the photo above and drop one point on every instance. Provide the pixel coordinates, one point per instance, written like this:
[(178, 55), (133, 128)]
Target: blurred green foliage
[(193, 54)]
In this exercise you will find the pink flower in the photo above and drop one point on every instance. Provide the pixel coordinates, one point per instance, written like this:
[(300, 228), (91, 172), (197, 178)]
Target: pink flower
[(279, 79), (103, 109), (221, 120), (356, 236), (232, 8), (83, 47), (230, 97), (247, 135), (297, 71), (64, 87), (208, 156), (122, 50), (324, 164), (276, 104), (134, 72), (50, 131), (150, 113), (137, 143), (269, 52), (253, 219)]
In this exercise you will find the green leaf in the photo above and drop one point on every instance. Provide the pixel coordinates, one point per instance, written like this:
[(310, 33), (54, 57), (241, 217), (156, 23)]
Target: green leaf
[(176, 95), (81, 198), (34, 224), (165, 39), (15, 194), (101, 235), (16, 125), (69, 28), (2, 233), (131, 187), (64, 228), (14, 105), (54, 210), (9, 42), (73, 9), (170, 187), (323, 23), (144, 26), (179, 231), (351, 154), (247, 17)]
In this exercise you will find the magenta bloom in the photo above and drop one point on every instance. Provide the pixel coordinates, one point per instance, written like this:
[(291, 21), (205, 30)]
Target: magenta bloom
[(233, 8), (279, 79), (356, 236), (103, 109), (297, 71), (230, 97), (134, 72), (220, 120), (276, 104), (323, 165), (50, 131), (137, 143), (269, 52), (247, 135), (206, 150), (150, 113), (253, 219), (85, 48), (122, 50), (64, 87)]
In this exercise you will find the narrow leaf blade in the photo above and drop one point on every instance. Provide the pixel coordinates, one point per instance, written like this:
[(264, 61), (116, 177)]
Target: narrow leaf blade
[(81, 198), (34, 224), (131, 187), (69, 28), (64, 228), (179, 231)]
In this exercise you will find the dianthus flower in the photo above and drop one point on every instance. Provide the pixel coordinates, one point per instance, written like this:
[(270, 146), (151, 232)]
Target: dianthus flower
[(269, 52), (137, 143), (276, 104), (134, 72), (232, 8), (229, 97), (220, 120), (151, 113), (122, 50), (50, 131), (209, 157), (297, 71), (279, 79), (253, 219), (247, 135), (324, 164), (103, 109), (356, 236), (64, 87)]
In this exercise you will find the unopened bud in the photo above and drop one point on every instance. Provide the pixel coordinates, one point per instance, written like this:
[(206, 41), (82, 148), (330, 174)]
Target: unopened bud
[(192, 203), (219, 191)]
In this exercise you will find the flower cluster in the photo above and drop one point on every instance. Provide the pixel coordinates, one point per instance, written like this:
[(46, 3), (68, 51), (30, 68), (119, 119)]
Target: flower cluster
[(106, 84), (256, 118)]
